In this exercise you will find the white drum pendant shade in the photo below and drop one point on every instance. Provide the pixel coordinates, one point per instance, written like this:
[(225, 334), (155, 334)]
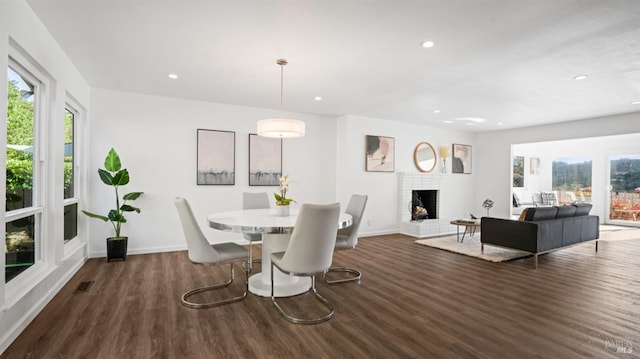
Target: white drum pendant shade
[(281, 128)]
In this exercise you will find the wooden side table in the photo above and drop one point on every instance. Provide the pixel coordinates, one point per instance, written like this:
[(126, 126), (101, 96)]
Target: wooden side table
[(470, 226)]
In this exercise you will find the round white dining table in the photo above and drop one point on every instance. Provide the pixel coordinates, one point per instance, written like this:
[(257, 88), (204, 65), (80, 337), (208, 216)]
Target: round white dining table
[(275, 232)]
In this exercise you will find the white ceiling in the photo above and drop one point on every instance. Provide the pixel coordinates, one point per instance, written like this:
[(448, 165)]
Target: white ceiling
[(509, 61)]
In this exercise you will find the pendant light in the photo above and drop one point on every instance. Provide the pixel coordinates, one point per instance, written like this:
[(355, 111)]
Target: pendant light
[(281, 127)]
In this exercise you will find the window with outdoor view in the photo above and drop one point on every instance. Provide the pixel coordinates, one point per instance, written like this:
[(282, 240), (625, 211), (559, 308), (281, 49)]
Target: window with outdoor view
[(625, 187), (571, 178), (23, 210), (70, 200)]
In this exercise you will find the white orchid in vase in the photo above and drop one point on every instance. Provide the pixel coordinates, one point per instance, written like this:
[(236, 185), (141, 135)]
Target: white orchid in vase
[(281, 198)]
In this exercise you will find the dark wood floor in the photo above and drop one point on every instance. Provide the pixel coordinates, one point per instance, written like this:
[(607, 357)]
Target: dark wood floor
[(413, 302)]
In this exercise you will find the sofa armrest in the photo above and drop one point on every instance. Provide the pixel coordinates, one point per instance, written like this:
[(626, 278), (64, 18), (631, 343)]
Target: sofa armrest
[(508, 233)]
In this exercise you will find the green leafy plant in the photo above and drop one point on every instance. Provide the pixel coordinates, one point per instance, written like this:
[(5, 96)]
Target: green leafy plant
[(114, 175)]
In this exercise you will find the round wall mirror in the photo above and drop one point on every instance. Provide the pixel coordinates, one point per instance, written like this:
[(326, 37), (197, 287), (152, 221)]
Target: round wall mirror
[(425, 157)]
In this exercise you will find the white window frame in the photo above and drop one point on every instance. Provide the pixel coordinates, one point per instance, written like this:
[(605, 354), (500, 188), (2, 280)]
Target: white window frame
[(21, 284), (72, 106)]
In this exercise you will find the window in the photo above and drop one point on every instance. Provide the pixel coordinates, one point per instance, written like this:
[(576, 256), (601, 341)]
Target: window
[(23, 203), (624, 180), (571, 178), (70, 200)]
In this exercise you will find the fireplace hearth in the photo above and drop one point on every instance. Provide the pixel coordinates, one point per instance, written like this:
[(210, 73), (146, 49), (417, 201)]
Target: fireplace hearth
[(424, 204)]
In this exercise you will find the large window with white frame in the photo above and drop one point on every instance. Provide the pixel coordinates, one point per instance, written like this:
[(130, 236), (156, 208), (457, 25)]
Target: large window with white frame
[(70, 173), (24, 208)]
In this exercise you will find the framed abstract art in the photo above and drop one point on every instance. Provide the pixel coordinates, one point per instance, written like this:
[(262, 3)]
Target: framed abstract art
[(265, 160), (216, 157), (380, 154), (461, 159)]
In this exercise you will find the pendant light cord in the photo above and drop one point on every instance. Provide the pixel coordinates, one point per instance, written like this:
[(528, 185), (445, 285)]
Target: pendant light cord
[(281, 90), (281, 62)]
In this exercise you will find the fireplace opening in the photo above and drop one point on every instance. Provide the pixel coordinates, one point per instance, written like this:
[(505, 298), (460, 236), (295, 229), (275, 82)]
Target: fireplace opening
[(424, 204)]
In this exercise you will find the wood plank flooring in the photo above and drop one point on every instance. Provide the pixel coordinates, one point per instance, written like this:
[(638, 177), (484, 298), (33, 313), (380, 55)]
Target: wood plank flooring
[(413, 302)]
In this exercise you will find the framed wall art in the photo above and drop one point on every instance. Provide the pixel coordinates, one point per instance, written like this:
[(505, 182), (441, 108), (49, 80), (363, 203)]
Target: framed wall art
[(380, 154), (216, 157), (534, 166), (265, 160), (518, 171), (461, 159)]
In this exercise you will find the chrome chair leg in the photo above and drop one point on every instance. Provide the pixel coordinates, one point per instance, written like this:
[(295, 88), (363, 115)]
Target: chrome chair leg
[(357, 275), (189, 304), (320, 298)]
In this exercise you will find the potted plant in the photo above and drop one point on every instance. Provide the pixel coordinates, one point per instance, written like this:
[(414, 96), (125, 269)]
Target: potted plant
[(282, 202), (114, 175)]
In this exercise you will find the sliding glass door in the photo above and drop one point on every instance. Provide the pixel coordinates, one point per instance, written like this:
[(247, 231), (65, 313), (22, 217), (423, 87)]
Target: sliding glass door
[(624, 184)]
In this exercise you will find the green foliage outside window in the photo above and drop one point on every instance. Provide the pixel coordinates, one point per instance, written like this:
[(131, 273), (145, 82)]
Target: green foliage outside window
[(19, 163), (625, 174), (20, 133), (571, 176), (19, 117)]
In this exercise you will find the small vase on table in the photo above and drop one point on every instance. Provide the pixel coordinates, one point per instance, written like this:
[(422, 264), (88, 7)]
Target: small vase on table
[(282, 211)]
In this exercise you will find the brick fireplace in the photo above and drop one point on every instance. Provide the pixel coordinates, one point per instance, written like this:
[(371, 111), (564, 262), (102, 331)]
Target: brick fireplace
[(434, 189)]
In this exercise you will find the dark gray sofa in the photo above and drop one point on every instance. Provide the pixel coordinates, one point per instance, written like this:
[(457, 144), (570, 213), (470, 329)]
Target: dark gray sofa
[(542, 230)]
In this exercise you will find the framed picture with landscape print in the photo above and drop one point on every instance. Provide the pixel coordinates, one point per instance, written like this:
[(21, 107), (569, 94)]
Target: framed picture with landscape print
[(216, 157), (461, 159), (518, 171), (265, 160), (380, 154)]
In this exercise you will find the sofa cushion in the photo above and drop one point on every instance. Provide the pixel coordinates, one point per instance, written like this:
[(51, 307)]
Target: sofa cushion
[(582, 209), (541, 213), (565, 211)]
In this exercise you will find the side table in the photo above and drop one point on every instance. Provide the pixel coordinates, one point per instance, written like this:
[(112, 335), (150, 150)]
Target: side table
[(470, 226)]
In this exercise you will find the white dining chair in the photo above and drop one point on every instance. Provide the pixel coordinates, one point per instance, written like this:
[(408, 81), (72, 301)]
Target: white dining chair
[(200, 251), (253, 200), (348, 238), (309, 252)]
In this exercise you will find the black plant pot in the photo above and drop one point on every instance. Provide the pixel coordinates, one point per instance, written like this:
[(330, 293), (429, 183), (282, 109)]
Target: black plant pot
[(117, 248)]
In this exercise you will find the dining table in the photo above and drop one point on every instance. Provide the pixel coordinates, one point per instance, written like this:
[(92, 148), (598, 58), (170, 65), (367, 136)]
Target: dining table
[(276, 231)]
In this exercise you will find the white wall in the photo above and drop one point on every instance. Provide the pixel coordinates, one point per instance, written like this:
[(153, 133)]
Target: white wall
[(21, 300), (156, 139), (381, 215), (494, 152)]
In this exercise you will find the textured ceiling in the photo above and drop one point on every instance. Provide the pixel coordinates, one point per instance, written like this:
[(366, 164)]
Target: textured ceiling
[(510, 62)]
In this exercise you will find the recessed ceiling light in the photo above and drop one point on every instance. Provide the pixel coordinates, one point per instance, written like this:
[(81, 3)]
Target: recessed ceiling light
[(635, 103), (447, 121), (436, 111), (427, 44), (499, 123), (580, 77), (173, 76), (318, 98)]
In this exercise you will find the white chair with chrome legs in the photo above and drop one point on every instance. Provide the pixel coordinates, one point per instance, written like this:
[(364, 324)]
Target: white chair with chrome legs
[(310, 251), (348, 238), (202, 252), (251, 200)]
